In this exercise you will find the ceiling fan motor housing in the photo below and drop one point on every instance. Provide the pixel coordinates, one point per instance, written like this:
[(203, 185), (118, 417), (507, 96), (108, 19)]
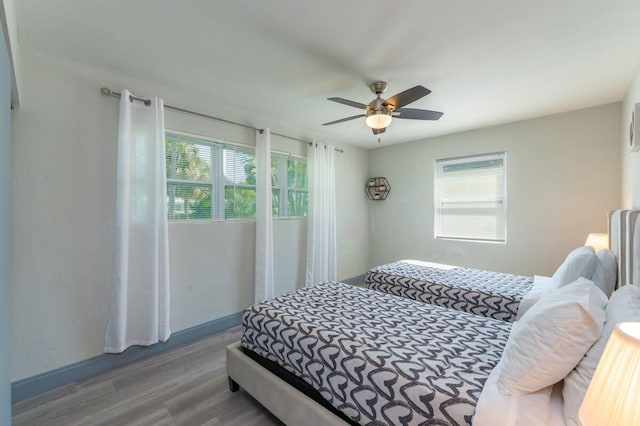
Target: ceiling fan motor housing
[(375, 106), (378, 87)]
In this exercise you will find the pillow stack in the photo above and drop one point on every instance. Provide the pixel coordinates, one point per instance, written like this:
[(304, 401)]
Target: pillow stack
[(564, 333), (623, 306), (581, 262), (552, 337)]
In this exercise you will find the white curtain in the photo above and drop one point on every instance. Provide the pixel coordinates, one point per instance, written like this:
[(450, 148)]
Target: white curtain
[(139, 305), (321, 223), (264, 218)]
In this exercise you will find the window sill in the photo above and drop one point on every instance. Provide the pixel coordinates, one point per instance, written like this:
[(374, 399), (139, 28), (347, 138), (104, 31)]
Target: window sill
[(210, 221), (471, 240)]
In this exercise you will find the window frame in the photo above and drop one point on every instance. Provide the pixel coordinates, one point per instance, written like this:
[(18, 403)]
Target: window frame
[(283, 186), (437, 196), (173, 180), (223, 187), (217, 175)]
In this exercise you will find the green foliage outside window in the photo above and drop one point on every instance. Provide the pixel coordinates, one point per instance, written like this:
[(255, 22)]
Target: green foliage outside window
[(199, 173), (298, 197), (187, 161), (239, 203), (239, 168)]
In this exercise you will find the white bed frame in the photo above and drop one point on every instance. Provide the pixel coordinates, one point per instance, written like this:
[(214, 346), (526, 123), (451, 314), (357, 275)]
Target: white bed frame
[(283, 400), (295, 408)]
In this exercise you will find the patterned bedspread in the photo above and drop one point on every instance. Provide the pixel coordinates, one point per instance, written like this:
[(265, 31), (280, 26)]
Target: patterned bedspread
[(490, 294), (380, 359)]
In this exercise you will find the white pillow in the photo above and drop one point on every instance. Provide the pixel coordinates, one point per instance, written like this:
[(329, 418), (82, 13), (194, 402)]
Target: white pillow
[(541, 286), (624, 305), (495, 408), (551, 338), (581, 262), (606, 273)]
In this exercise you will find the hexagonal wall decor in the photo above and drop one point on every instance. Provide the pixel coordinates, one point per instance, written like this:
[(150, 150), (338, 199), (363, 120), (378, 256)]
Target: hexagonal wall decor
[(377, 188)]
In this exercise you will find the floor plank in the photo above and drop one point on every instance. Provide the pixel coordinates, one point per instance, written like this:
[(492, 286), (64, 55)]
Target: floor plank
[(183, 386)]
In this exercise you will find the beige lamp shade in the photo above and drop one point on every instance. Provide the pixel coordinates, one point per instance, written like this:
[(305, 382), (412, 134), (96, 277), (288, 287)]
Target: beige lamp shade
[(597, 241), (612, 397)]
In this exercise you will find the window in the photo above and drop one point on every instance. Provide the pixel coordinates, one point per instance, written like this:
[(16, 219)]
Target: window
[(190, 178), (470, 198), (239, 167), (289, 181), (208, 180), (213, 180)]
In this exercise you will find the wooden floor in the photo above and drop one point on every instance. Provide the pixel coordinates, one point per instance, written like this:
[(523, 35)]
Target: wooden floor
[(183, 386)]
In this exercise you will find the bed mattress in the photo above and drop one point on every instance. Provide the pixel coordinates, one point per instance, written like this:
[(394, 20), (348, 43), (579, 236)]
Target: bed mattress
[(378, 358), (489, 294)]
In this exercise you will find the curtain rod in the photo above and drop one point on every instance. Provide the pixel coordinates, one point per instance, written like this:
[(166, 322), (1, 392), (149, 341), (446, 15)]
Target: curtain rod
[(108, 92)]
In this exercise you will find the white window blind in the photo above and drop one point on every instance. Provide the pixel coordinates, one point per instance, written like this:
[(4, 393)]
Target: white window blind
[(190, 179), (470, 198), (209, 180), (239, 167)]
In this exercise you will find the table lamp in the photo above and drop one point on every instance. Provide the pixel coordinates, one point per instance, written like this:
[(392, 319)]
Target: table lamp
[(612, 396), (597, 241)]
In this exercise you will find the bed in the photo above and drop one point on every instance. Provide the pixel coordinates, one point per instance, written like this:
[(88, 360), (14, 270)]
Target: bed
[(499, 295), (337, 354), (371, 358), (374, 356), (490, 294)]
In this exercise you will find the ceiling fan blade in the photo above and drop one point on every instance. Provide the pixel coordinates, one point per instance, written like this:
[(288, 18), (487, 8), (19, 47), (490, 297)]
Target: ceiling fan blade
[(406, 97), (416, 114), (350, 103), (378, 131), (353, 117)]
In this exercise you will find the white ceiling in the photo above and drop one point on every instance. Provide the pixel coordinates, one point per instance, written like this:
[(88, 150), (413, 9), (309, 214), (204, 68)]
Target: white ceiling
[(274, 63)]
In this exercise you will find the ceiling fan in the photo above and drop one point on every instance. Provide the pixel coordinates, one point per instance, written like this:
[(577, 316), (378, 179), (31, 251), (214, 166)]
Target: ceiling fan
[(380, 112)]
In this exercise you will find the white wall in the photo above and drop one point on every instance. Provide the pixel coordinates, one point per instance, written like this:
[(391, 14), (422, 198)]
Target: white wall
[(562, 178), (5, 236), (352, 211), (64, 162), (630, 160)]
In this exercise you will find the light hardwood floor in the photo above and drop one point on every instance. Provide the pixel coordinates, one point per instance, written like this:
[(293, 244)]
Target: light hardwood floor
[(183, 386)]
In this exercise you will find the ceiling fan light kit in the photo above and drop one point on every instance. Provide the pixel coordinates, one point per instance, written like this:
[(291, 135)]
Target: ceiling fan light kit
[(380, 112), (378, 120)]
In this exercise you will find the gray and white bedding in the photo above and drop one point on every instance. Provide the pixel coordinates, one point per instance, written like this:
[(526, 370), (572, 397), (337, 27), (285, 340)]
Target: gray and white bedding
[(378, 358), (489, 294)]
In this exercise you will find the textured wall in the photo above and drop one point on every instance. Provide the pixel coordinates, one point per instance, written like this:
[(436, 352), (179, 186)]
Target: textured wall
[(562, 178), (65, 165)]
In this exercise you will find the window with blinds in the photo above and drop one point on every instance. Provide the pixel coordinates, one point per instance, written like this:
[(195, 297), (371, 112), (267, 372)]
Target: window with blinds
[(216, 180), (470, 198), (239, 166), (190, 178), (289, 180)]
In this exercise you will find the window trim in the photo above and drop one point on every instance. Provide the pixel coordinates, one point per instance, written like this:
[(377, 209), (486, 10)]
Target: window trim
[(438, 191)]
